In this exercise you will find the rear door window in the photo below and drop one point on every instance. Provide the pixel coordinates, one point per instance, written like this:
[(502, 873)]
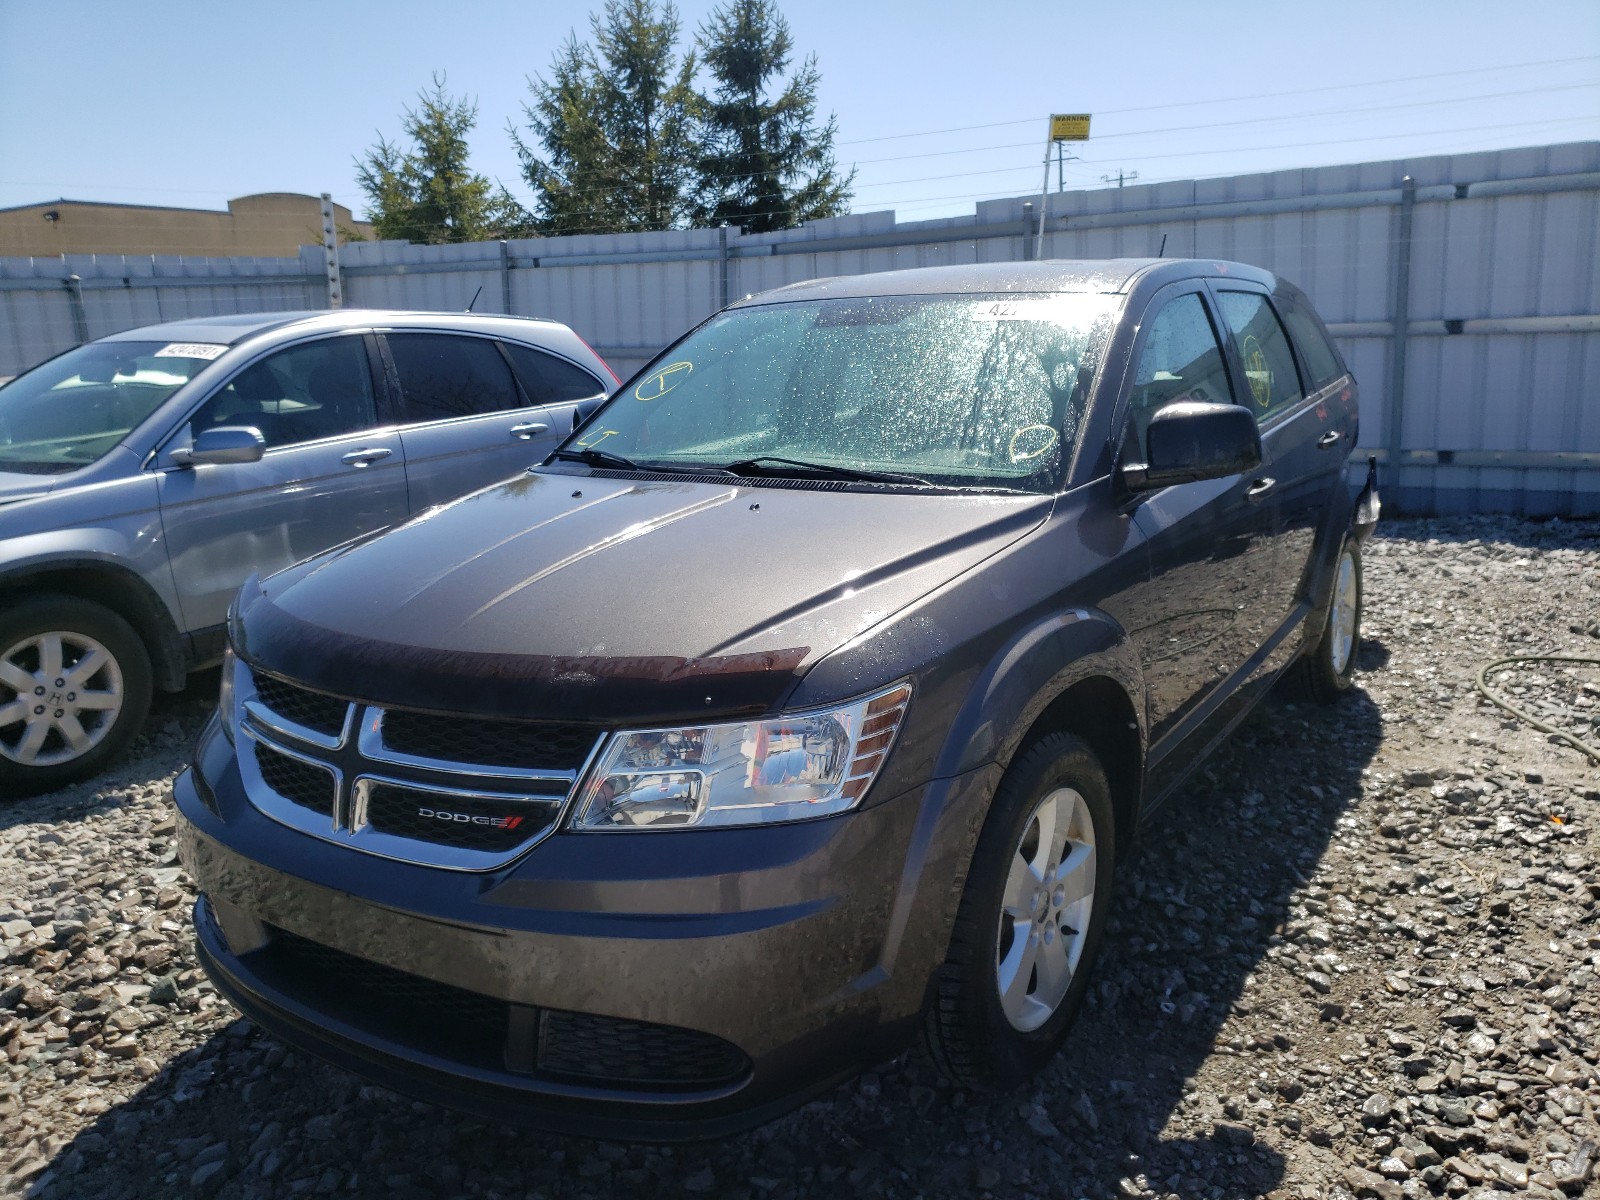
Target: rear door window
[(1316, 351), (551, 380), (444, 376), (1272, 383)]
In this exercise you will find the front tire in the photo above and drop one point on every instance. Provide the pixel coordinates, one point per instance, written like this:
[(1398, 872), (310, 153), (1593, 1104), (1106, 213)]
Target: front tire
[(1030, 919), (1325, 672), (75, 687)]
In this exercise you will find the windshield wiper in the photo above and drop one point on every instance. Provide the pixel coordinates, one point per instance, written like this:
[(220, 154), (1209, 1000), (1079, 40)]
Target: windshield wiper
[(788, 466), (591, 457)]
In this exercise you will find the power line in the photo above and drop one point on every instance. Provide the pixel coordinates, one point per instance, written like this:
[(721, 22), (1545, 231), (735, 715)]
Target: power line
[(1332, 87), (1102, 137), (968, 197)]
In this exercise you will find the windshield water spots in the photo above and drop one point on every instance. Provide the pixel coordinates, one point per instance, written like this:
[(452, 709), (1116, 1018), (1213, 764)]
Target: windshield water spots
[(959, 391)]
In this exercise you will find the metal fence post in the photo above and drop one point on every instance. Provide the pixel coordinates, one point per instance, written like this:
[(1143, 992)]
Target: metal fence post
[(505, 277), (330, 253), (1397, 341), (722, 273), (80, 316)]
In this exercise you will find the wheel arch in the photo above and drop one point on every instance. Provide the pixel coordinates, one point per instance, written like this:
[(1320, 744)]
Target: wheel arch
[(1075, 672), (1099, 710), (118, 589)]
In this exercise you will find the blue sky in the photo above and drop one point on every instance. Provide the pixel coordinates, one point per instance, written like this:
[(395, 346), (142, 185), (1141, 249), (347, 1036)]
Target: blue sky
[(939, 103)]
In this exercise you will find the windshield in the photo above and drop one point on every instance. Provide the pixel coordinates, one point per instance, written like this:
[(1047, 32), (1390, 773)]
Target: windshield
[(965, 391), (66, 413)]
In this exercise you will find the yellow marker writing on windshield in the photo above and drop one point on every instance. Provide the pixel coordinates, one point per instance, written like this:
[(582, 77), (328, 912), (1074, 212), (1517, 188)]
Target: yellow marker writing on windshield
[(594, 439), (1043, 434), (658, 383)]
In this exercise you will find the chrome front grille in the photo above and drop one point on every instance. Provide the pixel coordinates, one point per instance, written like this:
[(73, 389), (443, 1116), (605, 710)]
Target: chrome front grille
[(514, 744), (299, 709), (450, 792), (298, 780)]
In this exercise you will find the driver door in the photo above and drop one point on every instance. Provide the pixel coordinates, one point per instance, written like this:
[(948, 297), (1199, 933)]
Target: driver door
[(1198, 619), (328, 474)]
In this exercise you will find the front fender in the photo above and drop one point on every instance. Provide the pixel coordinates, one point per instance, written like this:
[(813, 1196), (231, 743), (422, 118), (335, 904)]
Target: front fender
[(1031, 671), (122, 565)]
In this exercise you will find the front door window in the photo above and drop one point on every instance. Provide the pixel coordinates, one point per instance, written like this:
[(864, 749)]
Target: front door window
[(1181, 360), (303, 394)]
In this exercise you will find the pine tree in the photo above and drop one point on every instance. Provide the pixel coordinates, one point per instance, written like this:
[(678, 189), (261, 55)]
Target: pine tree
[(616, 125), (427, 193), (765, 163)]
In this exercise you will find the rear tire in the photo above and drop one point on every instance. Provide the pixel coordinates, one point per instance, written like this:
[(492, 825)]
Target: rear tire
[(75, 687), (1324, 673), (1030, 920)]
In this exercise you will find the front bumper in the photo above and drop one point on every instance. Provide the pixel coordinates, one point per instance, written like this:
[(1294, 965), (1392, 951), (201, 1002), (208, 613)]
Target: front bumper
[(745, 969)]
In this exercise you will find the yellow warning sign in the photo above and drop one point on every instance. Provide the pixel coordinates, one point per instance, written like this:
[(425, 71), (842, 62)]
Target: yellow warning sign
[(1069, 127)]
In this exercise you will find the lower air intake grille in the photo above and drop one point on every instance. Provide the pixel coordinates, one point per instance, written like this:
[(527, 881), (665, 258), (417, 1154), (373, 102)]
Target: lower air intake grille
[(396, 1005), (472, 1028), (635, 1052), (298, 782)]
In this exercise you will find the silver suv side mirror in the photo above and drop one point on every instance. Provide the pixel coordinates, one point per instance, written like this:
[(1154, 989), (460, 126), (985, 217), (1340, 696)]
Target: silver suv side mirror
[(224, 444)]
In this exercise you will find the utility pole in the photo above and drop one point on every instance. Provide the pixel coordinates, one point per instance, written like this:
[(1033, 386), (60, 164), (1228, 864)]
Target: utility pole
[(1064, 127), (1120, 177)]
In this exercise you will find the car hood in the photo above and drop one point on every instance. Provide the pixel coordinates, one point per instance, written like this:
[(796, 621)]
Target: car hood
[(584, 598), (15, 486)]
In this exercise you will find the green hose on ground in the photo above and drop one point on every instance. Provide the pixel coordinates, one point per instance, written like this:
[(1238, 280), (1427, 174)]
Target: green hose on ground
[(1483, 686)]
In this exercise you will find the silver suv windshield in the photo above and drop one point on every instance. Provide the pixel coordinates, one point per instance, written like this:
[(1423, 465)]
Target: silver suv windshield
[(68, 412), (956, 391)]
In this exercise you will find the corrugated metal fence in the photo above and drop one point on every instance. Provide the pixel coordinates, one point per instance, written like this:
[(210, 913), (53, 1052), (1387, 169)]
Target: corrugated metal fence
[(1466, 284)]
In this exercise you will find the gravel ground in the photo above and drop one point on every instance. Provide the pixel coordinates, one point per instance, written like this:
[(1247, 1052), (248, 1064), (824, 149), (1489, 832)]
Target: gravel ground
[(1357, 957)]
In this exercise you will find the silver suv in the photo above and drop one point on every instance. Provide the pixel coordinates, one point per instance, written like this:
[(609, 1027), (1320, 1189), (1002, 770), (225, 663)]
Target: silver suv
[(145, 476)]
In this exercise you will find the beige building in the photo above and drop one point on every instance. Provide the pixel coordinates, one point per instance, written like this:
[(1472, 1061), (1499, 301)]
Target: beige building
[(271, 224)]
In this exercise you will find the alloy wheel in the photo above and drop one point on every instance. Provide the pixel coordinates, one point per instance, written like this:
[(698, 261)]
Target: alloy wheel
[(1045, 909), (60, 694), (1342, 619)]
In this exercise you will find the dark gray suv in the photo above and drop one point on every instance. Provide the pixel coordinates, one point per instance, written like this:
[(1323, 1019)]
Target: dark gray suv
[(805, 699), (145, 476)]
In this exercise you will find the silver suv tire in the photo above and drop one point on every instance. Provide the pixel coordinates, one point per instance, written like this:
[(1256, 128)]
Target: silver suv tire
[(75, 686)]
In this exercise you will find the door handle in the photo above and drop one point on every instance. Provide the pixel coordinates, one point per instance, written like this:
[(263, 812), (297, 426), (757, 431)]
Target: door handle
[(365, 458), (527, 429), (1332, 438), (1260, 488)]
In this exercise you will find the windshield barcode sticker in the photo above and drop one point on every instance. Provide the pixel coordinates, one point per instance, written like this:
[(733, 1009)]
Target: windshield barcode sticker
[(190, 350)]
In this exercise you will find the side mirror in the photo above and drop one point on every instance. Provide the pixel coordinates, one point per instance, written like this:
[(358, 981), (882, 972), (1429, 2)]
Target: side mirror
[(1189, 441), (224, 444), (584, 409)]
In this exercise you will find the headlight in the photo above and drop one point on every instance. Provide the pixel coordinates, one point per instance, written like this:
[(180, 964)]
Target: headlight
[(787, 768), (226, 700)]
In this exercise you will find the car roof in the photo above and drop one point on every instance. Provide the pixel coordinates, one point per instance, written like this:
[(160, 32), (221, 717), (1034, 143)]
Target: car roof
[(232, 328), (1052, 275)]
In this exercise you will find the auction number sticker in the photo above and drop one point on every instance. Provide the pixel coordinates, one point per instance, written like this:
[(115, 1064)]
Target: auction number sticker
[(658, 383), (1067, 310), (190, 350)]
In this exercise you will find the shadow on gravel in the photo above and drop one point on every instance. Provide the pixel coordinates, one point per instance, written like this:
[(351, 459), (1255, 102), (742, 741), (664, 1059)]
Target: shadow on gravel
[(1209, 893), (240, 1116)]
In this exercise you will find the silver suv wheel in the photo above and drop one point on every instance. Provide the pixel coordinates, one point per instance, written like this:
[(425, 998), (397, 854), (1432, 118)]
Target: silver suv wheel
[(66, 691)]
